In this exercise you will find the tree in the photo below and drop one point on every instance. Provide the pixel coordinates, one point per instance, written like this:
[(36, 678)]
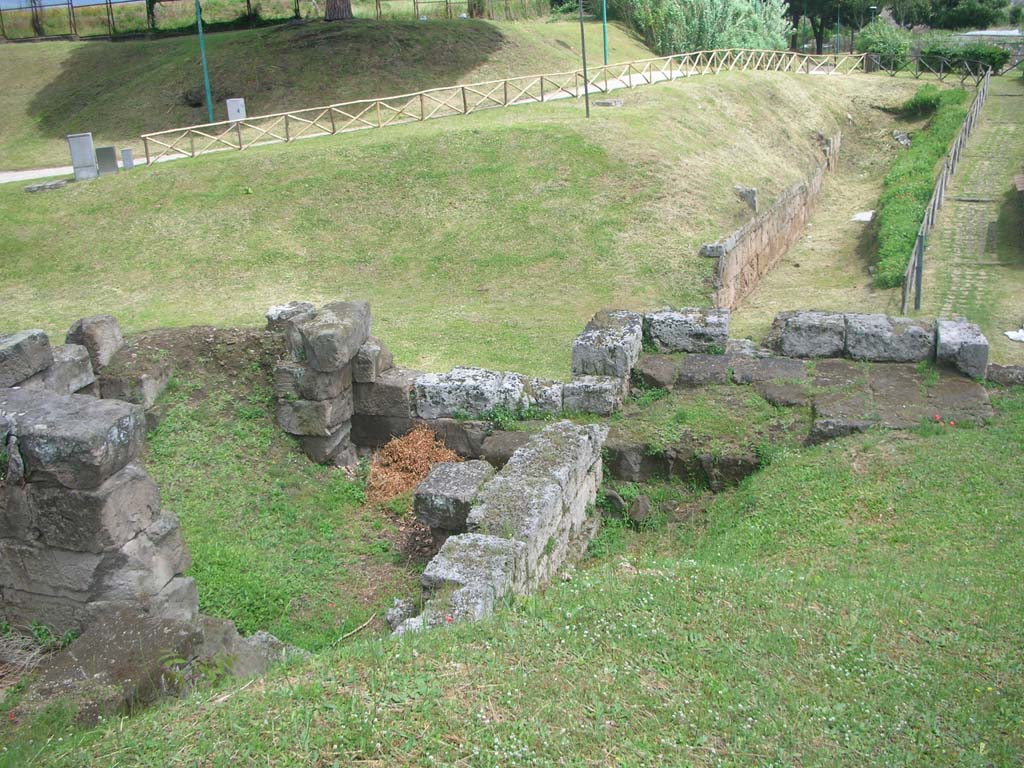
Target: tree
[(338, 10)]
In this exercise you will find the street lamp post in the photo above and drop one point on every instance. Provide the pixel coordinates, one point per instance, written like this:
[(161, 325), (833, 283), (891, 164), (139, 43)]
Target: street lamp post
[(583, 49), (202, 56), (604, 28)]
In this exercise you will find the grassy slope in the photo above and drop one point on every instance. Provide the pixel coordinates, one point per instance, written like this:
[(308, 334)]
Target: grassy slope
[(119, 90), (853, 604), (485, 240)]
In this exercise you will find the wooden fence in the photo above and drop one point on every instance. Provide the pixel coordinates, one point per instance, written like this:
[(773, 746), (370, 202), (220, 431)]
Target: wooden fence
[(465, 99), (913, 277)]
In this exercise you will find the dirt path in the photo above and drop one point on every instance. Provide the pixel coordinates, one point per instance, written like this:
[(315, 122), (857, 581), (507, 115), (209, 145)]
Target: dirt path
[(974, 262), (828, 267)]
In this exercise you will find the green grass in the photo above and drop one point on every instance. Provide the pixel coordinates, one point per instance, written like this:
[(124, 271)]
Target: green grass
[(489, 239), (277, 543), (853, 604), (119, 90)]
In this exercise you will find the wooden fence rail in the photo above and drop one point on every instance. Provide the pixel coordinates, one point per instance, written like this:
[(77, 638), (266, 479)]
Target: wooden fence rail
[(432, 103), (914, 276)]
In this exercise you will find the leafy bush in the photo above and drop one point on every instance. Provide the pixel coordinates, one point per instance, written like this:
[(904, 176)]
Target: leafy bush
[(971, 14), (675, 26), (963, 58), (922, 103), (890, 43), (909, 184)]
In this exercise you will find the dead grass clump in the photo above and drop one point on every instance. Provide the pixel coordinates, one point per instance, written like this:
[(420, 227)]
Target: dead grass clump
[(19, 654), (405, 461)]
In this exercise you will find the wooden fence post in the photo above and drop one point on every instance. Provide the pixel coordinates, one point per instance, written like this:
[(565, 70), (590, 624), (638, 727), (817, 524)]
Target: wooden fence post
[(238, 133), (287, 134), (330, 114), (145, 144), (504, 87), (423, 110), (465, 105), (919, 273)]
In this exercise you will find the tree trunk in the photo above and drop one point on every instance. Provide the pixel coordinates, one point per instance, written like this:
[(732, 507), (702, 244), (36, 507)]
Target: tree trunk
[(338, 10), (819, 34)]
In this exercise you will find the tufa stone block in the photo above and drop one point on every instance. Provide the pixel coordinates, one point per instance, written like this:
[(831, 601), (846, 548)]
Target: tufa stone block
[(330, 336), (390, 395), (317, 418), (444, 498), (887, 339), (602, 395), (23, 355), (609, 345), (371, 360), (468, 393), (688, 330), (101, 335), (963, 346), (295, 380)]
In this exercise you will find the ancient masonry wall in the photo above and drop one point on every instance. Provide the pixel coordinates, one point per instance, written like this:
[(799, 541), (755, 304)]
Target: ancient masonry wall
[(521, 524), (755, 249), (81, 528)]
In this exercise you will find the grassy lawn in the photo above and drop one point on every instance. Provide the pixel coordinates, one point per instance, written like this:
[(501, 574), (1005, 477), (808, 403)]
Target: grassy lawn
[(486, 240), (118, 90), (855, 604)]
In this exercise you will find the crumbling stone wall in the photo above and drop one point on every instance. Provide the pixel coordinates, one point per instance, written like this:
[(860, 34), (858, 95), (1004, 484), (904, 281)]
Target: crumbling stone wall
[(755, 249), (523, 524), (80, 521)]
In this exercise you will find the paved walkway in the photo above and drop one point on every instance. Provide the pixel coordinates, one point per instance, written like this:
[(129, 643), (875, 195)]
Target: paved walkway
[(974, 262)]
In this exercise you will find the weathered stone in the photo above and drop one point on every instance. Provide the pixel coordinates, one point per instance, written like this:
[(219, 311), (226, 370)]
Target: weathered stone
[(243, 656), (684, 462), (726, 471), (700, 370), (401, 610), (101, 335), (602, 395), (614, 505), (784, 394), (750, 370), (657, 371), (323, 449), (544, 396), (299, 381), (145, 564), (498, 447), (376, 431), (811, 334), (91, 390), (82, 520), (23, 355), (390, 395), (179, 600), (371, 359), (633, 462), (688, 330), (641, 510), (468, 392), (76, 441), (609, 345), (279, 315), (1007, 375), (888, 339), (330, 336), (444, 498), (745, 348), (138, 380), (962, 345), (70, 372), (318, 418), (838, 414), (466, 438), (838, 374)]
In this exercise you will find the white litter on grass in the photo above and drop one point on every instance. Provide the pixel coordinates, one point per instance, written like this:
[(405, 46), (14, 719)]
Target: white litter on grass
[(863, 216), (1015, 335)]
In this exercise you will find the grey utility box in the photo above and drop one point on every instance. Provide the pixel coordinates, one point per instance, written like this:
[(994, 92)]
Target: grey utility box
[(83, 156), (236, 109), (106, 158), (127, 161)]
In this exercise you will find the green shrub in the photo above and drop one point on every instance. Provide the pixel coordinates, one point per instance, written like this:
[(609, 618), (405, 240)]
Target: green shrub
[(890, 43), (909, 184), (963, 58), (924, 102)]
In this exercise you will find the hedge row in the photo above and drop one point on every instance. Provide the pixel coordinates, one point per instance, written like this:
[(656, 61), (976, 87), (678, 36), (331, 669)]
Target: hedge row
[(908, 185)]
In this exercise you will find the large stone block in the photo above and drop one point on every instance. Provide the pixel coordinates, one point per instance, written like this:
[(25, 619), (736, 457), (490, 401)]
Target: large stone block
[(544, 396), (319, 418), (325, 449), (491, 566), (279, 315), (144, 565), (330, 336), (72, 440), (390, 395), (70, 372), (963, 346), (688, 330), (563, 452), (296, 380), (657, 371), (609, 345), (466, 438), (371, 359), (699, 370), (135, 380), (811, 334), (23, 355), (499, 447), (468, 392), (888, 339), (101, 335), (82, 520), (602, 395), (444, 498)]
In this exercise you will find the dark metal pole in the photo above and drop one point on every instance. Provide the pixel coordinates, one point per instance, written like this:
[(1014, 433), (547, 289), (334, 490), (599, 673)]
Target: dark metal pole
[(583, 49)]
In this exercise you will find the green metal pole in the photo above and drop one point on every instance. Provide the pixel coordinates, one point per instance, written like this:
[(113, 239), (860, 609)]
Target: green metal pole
[(206, 71), (604, 28)]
